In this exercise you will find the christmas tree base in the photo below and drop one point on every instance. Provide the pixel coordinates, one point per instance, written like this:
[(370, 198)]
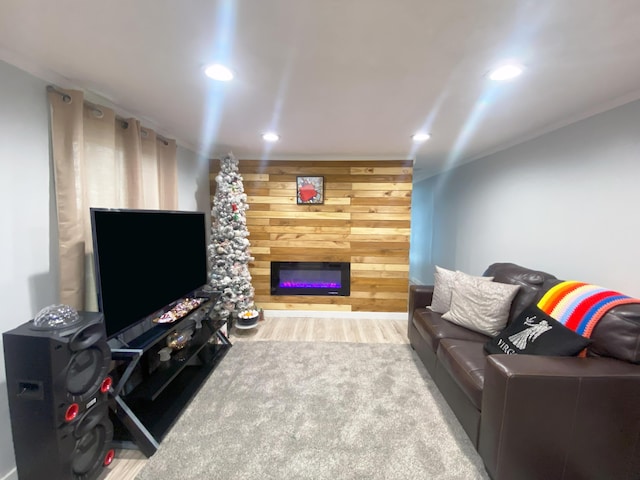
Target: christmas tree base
[(246, 323)]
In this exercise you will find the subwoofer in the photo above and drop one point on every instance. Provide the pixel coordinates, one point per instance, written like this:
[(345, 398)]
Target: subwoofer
[(57, 381)]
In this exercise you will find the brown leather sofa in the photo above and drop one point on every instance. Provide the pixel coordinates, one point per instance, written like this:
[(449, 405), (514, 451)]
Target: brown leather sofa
[(537, 417)]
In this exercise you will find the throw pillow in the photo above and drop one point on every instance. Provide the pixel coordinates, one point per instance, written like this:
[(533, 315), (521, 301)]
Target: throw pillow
[(443, 285), (534, 332), (481, 306)]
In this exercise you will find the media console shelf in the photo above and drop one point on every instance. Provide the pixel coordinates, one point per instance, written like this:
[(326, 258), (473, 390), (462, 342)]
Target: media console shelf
[(150, 394)]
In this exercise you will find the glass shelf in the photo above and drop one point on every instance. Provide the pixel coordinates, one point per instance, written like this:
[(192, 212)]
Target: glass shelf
[(151, 394)]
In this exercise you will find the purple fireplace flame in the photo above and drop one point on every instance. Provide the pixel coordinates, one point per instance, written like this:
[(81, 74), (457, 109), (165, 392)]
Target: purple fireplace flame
[(310, 278), (309, 285)]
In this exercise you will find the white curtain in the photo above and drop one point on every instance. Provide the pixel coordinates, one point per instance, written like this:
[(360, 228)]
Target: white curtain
[(101, 160)]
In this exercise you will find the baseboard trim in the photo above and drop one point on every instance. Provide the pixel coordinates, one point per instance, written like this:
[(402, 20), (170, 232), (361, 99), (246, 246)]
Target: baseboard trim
[(333, 314)]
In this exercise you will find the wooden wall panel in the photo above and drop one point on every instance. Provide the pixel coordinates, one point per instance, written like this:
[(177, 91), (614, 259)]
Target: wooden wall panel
[(365, 220)]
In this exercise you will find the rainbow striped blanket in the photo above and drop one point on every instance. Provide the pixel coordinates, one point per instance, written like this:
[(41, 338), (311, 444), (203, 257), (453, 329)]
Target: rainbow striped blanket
[(580, 306)]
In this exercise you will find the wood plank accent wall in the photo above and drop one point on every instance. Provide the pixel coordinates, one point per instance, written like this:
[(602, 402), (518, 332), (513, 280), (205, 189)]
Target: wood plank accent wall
[(365, 220)]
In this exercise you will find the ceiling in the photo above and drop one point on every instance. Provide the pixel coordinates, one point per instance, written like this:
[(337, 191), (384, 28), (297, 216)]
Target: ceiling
[(337, 79)]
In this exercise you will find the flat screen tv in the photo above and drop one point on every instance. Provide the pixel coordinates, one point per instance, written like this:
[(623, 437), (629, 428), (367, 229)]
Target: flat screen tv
[(144, 261)]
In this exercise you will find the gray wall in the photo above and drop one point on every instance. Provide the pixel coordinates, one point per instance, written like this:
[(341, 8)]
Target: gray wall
[(28, 244), (566, 202)]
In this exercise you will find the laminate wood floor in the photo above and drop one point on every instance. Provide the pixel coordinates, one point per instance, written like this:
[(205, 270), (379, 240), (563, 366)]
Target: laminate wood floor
[(128, 463)]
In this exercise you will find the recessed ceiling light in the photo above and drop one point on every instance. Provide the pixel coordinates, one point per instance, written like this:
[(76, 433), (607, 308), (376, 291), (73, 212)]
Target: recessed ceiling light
[(218, 72), (420, 137), (506, 72), (270, 137)]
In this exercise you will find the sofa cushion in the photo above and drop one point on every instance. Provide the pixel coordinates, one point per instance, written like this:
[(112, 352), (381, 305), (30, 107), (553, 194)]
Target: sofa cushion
[(533, 284), (481, 306), (464, 360), (442, 285), (445, 281), (433, 328), (536, 333)]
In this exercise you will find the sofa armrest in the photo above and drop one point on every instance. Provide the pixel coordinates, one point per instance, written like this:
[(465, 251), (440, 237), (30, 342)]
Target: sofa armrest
[(560, 417), (419, 297)]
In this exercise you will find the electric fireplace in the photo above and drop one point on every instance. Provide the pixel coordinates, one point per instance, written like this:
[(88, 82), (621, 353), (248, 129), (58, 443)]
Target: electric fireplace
[(311, 278)]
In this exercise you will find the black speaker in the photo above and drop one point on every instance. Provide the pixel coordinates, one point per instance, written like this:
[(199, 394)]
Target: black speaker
[(57, 381)]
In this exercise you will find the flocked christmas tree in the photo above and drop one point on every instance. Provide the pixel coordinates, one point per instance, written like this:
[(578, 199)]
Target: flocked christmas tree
[(229, 253)]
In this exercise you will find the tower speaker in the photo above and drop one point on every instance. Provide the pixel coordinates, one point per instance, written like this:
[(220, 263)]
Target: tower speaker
[(57, 381)]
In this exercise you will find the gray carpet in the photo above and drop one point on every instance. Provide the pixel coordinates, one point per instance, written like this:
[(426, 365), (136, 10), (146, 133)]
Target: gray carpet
[(295, 410)]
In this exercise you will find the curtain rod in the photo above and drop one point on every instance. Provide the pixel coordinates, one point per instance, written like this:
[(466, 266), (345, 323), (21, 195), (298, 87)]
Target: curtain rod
[(66, 98)]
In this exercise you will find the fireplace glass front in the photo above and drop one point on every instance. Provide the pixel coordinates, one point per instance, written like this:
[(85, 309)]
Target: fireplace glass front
[(310, 278)]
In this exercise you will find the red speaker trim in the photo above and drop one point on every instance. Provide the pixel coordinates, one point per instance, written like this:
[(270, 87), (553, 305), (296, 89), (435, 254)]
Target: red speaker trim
[(108, 458), (72, 412), (106, 385)]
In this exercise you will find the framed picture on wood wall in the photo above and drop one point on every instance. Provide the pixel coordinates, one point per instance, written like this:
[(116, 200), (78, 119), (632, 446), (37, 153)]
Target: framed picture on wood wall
[(310, 190)]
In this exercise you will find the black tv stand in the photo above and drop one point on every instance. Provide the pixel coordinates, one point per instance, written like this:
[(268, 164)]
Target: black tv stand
[(149, 394)]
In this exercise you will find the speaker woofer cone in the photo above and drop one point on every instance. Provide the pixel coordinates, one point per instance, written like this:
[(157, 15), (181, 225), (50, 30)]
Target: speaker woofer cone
[(86, 371), (88, 451), (92, 450)]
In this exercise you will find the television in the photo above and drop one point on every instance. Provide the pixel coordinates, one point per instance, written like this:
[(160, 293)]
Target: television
[(145, 260)]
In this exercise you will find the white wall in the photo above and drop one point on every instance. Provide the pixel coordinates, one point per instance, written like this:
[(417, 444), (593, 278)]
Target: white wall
[(421, 234), (566, 203), (28, 244), (193, 181), (28, 273)]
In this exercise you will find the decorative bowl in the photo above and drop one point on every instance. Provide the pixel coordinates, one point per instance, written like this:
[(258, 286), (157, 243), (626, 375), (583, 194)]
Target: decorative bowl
[(178, 340)]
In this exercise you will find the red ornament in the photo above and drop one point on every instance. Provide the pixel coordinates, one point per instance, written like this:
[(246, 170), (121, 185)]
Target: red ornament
[(234, 207)]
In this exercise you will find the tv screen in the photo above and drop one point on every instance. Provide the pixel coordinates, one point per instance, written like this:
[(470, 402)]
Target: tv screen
[(144, 261)]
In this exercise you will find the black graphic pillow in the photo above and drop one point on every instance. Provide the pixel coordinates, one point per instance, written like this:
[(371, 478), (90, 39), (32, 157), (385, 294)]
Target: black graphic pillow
[(536, 333)]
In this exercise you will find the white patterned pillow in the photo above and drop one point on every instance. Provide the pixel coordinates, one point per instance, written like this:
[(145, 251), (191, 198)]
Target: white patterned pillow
[(444, 282), (481, 306)]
